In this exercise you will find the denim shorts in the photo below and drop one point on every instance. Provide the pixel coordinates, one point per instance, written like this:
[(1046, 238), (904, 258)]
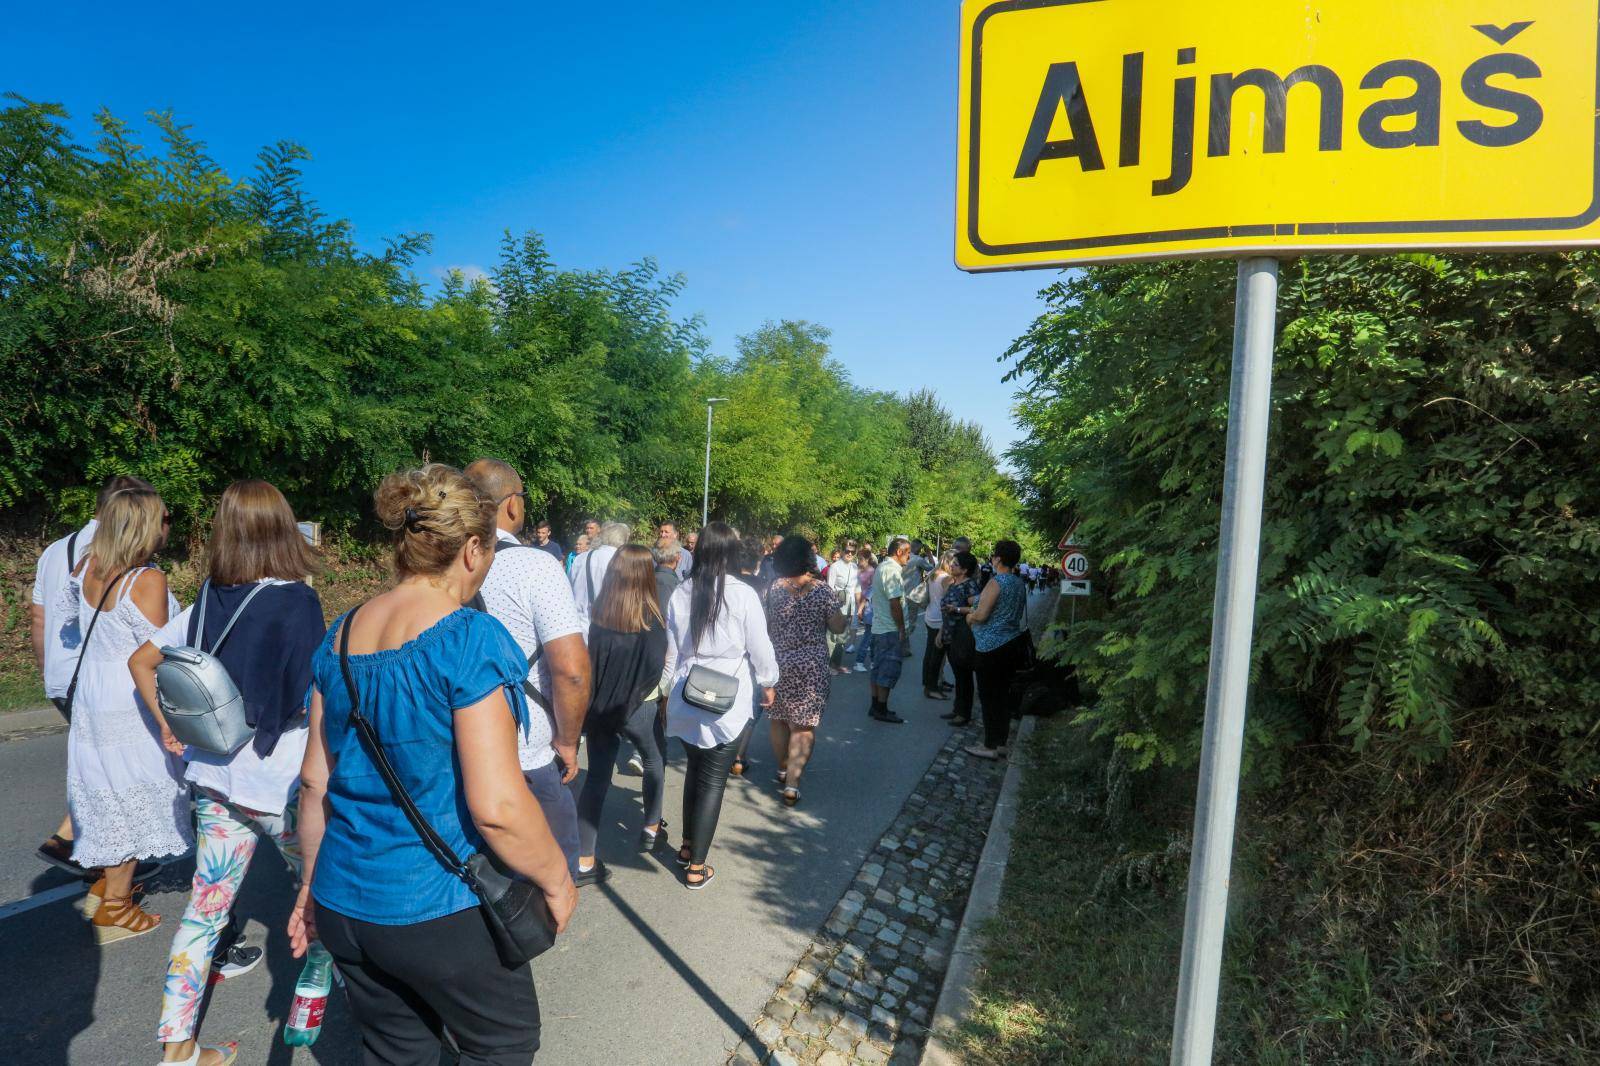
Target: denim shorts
[(885, 659)]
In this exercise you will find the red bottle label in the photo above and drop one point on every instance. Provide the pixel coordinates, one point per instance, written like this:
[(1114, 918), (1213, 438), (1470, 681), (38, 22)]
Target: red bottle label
[(307, 1013)]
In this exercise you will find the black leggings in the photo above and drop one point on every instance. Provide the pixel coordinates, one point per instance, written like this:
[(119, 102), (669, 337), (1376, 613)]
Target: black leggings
[(932, 662), (962, 672), (643, 728), (407, 984), (995, 670), (704, 778)]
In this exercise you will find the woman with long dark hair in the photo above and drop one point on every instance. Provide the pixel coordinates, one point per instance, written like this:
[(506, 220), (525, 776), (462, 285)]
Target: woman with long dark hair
[(627, 649), (714, 621)]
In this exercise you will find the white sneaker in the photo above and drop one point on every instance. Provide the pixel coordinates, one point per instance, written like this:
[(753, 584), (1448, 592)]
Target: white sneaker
[(635, 764), (860, 668)]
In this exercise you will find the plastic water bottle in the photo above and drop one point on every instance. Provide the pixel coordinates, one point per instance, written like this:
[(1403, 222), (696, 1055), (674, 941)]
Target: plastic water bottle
[(310, 998)]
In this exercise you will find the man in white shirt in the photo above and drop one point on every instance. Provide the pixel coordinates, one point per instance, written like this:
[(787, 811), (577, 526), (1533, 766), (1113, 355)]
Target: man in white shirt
[(589, 569), (668, 532), (57, 639), (528, 593)]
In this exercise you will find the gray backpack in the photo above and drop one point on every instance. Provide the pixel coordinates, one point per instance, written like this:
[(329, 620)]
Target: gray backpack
[(201, 703)]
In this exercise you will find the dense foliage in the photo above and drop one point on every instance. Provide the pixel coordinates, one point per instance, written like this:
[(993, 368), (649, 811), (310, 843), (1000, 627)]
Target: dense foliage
[(159, 316), (1431, 539)]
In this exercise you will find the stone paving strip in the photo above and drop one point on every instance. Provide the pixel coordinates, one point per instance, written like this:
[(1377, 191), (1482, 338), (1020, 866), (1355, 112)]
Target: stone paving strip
[(864, 990)]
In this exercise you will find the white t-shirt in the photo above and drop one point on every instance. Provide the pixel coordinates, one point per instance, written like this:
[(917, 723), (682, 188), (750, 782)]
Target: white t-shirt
[(594, 561), (62, 637), (245, 778), (528, 593)]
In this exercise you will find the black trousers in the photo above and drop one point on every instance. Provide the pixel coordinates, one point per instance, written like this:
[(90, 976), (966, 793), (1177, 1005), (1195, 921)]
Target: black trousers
[(704, 779), (932, 662), (962, 672), (995, 671), (409, 983), (643, 728)]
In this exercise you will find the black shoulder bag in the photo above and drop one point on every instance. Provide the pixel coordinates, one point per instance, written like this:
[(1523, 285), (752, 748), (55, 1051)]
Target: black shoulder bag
[(72, 686), (512, 907)]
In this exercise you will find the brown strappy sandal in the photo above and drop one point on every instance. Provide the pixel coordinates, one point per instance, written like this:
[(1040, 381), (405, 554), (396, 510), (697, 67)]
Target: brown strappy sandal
[(122, 919), (96, 895)]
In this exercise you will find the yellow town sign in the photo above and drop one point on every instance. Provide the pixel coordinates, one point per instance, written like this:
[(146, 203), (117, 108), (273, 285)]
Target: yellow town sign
[(1093, 130)]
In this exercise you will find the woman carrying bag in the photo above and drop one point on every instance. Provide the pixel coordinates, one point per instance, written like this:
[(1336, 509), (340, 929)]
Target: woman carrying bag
[(718, 655), (411, 790), (249, 794), (124, 791)]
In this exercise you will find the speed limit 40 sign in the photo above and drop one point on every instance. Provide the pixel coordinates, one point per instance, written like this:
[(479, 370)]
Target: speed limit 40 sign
[(1075, 565)]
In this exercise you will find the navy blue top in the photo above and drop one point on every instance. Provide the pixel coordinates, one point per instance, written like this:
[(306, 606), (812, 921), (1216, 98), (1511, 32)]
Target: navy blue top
[(372, 866), (268, 653)]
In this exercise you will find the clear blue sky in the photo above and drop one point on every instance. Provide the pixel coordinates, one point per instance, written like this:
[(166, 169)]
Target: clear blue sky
[(793, 160)]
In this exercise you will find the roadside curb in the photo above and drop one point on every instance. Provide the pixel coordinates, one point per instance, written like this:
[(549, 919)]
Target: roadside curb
[(38, 722), (955, 998)]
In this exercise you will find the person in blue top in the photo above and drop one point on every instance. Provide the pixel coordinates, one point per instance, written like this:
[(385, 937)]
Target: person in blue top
[(1000, 632), (442, 686)]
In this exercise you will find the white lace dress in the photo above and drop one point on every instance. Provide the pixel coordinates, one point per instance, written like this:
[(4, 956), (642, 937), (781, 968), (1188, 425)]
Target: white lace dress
[(126, 793)]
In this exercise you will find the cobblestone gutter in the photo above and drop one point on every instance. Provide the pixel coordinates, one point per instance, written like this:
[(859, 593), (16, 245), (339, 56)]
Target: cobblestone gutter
[(864, 990)]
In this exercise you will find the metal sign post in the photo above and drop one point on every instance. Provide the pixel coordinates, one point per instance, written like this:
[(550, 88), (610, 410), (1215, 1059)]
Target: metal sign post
[(1233, 618), (1092, 132)]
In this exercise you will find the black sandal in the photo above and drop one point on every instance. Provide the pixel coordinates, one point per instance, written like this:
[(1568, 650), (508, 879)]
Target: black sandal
[(685, 856), (706, 872)]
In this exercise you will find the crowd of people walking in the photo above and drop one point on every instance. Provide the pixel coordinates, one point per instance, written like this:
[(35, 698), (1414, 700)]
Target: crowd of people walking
[(415, 762)]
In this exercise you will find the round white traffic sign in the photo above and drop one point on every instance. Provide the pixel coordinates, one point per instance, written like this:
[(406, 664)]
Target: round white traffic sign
[(1075, 564)]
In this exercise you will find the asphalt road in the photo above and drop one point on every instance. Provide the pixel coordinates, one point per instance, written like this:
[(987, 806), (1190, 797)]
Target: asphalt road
[(649, 973)]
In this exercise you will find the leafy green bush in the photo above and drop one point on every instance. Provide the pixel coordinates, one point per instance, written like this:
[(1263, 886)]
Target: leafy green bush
[(1430, 543), (160, 317)]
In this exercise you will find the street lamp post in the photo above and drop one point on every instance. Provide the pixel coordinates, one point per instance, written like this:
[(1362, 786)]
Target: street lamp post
[(705, 497)]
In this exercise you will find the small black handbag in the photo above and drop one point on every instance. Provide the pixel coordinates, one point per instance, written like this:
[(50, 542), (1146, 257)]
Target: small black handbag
[(962, 646), (513, 908), (710, 690)]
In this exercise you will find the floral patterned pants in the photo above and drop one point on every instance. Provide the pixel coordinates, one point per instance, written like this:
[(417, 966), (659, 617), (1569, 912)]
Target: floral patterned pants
[(225, 841)]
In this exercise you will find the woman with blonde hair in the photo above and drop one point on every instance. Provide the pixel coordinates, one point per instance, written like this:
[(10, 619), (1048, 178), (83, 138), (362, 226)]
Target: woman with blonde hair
[(440, 686), (627, 649), (256, 568), (124, 791)]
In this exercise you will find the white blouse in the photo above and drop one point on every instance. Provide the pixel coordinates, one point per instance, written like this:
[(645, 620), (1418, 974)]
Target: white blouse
[(736, 644)]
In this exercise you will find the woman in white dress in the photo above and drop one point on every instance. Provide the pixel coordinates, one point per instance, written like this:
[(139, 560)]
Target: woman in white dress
[(124, 790)]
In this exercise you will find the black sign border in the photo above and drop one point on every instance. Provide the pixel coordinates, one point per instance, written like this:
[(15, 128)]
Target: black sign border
[(1264, 229)]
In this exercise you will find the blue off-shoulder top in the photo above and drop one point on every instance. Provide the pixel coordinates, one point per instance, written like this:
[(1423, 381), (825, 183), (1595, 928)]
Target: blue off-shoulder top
[(372, 866)]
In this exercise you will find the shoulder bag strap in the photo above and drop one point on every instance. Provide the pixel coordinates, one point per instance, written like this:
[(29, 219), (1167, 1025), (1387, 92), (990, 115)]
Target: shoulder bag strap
[(237, 611), (369, 738), (72, 686), (588, 575), (528, 688), (72, 551)]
